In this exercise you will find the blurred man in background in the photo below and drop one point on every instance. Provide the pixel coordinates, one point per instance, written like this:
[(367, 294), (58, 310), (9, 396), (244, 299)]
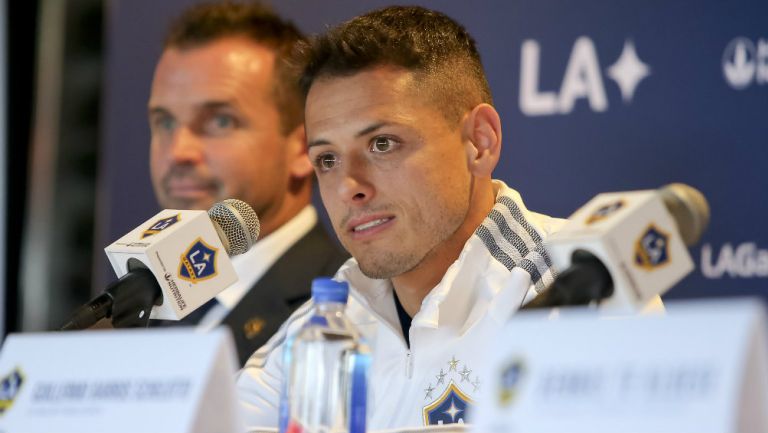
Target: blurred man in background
[(226, 118)]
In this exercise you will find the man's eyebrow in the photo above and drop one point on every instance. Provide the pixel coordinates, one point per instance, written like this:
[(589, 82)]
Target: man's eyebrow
[(318, 142), (205, 106), (214, 105), (370, 129), (157, 111), (363, 132)]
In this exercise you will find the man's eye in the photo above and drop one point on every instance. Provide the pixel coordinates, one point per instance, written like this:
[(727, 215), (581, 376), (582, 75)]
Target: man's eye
[(166, 123), (224, 121), (220, 123), (382, 144), (326, 161)]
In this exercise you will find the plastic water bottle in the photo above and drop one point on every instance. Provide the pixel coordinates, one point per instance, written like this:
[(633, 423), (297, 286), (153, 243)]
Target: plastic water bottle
[(326, 366)]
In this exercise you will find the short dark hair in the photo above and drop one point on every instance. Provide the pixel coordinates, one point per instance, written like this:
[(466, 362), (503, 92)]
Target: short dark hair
[(438, 49), (207, 22)]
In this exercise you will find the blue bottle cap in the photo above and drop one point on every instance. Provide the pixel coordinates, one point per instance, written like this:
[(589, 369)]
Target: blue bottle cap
[(325, 289)]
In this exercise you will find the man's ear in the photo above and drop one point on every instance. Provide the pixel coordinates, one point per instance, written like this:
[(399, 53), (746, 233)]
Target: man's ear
[(299, 165), (482, 129)]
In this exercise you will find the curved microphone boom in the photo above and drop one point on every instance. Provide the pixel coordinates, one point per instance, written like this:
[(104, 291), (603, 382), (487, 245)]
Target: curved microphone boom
[(145, 286)]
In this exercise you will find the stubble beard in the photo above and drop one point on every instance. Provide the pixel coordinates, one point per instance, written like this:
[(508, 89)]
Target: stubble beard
[(182, 172), (388, 264)]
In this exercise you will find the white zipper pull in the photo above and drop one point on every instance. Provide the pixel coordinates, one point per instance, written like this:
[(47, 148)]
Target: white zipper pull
[(408, 365)]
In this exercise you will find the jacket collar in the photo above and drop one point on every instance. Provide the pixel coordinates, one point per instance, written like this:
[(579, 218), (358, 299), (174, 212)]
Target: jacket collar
[(510, 237)]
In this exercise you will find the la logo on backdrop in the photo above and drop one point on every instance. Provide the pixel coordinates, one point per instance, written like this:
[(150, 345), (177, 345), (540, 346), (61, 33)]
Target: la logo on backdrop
[(745, 62), (742, 260), (198, 263), (582, 79)]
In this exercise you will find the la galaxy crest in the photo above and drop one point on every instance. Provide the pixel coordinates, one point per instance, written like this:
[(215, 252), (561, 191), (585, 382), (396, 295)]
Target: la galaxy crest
[(161, 225), (451, 386), (605, 211), (198, 263), (652, 248), (10, 386)]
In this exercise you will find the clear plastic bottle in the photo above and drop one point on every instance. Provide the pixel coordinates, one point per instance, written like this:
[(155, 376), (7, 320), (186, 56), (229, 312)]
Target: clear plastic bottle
[(326, 365)]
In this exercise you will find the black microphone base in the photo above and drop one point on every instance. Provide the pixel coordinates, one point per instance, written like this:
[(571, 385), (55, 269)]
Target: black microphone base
[(128, 301), (587, 280), (90, 313)]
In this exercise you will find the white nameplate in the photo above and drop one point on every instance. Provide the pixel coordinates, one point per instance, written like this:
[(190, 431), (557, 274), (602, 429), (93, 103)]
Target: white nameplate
[(132, 381), (701, 368), (441, 428)]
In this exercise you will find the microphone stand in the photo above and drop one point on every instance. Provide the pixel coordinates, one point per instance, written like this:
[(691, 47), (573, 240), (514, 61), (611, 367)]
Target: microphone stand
[(587, 280), (128, 301)]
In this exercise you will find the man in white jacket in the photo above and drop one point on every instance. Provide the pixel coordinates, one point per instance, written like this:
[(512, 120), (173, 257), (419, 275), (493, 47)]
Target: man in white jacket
[(404, 139)]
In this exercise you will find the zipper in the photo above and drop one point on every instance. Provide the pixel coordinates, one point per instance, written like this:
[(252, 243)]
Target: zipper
[(408, 353), (408, 364), (398, 332)]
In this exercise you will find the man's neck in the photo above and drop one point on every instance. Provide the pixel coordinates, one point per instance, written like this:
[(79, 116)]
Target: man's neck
[(292, 204), (413, 286)]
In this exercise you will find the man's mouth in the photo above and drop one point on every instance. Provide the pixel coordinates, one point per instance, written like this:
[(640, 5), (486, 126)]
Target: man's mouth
[(370, 224), (190, 187), (186, 185)]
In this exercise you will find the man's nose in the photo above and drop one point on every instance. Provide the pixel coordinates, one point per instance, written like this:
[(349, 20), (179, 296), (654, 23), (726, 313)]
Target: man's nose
[(186, 147), (356, 187)]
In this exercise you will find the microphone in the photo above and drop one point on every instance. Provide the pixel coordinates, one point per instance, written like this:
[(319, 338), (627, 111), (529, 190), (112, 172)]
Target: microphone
[(623, 249), (171, 264)]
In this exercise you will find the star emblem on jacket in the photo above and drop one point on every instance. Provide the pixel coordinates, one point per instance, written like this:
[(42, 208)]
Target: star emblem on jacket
[(453, 386), (441, 377)]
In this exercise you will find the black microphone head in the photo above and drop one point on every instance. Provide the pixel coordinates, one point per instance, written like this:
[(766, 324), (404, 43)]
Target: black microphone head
[(689, 208), (237, 225)]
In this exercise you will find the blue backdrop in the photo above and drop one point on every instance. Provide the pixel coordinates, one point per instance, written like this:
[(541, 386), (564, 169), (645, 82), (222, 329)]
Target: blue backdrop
[(594, 95)]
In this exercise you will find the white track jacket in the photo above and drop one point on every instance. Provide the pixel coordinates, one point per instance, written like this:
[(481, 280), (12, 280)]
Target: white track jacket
[(436, 380)]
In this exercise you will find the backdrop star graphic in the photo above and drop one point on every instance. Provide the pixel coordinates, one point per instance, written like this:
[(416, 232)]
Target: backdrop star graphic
[(628, 71)]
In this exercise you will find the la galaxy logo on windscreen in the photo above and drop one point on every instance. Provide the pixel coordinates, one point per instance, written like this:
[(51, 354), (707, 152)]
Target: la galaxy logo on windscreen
[(198, 263), (652, 249), (450, 407), (10, 386), (161, 225), (605, 211)]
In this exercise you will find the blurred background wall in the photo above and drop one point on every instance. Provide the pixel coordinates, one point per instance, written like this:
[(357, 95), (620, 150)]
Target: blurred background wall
[(594, 96), (55, 63)]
